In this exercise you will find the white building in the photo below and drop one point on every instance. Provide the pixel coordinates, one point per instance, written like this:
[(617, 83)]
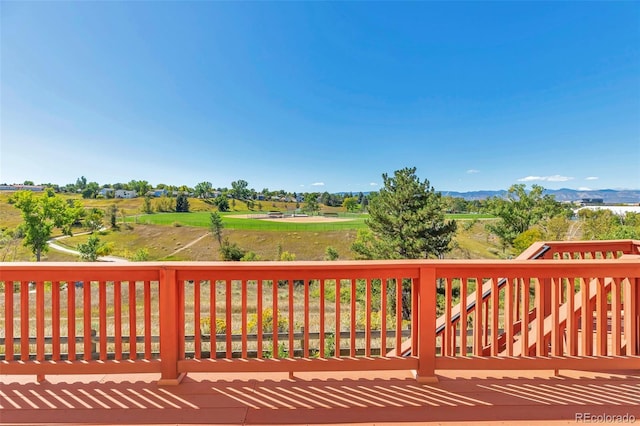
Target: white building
[(618, 210), (124, 193)]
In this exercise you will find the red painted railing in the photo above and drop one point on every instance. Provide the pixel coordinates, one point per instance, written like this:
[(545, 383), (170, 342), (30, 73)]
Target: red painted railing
[(177, 317)]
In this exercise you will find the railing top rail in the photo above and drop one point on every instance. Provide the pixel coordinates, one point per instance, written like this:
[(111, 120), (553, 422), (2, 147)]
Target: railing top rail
[(406, 266), (629, 246)]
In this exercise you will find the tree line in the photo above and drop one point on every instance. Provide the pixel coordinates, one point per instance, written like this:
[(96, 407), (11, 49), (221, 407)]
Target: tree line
[(406, 217)]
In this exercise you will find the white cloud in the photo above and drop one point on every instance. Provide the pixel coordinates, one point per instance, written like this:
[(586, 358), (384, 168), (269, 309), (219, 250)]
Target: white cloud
[(373, 184), (317, 184), (592, 178), (553, 178), (584, 188), (472, 171)]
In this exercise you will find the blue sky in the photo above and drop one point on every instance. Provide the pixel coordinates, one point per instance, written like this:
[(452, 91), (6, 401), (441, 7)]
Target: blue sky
[(321, 96)]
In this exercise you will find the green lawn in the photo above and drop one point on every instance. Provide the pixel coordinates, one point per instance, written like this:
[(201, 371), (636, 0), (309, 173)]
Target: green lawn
[(201, 219)]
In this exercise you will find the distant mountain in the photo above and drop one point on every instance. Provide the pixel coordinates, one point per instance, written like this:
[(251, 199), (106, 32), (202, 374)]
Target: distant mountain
[(610, 196)]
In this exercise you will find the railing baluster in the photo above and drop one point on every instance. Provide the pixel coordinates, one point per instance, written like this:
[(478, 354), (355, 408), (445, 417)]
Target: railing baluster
[(616, 317), (338, 328), (305, 338), (117, 318), (383, 315), (24, 321), (228, 311), (87, 330), (291, 319), (259, 316), (8, 320), (478, 323), (243, 325), (147, 319), (367, 331), (556, 331), (495, 314), (416, 299), (463, 316), (133, 352), (601, 317), (587, 319), (486, 323), (71, 320), (213, 326), (447, 337), (181, 291), (321, 317), (102, 301), (540, 295), (398, 316), (524, 330), (352, 319), (572, 323), (509, 317), (632, 315), (274, 318), (197, 350), (40, 321)]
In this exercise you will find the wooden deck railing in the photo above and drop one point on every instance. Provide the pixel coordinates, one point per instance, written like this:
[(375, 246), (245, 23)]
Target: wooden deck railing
[(176, 317)]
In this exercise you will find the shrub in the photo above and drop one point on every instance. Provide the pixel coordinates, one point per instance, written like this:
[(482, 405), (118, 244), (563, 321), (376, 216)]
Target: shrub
[(267, 322), (230, 251), (331, 253), (205, 326), (141, 255)]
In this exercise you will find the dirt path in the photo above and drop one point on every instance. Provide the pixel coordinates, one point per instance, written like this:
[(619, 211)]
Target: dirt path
[(190, 244), (52, 244)]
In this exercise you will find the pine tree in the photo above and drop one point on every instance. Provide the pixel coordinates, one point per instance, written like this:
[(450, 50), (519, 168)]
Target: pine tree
[(182, 203), (406, 221)]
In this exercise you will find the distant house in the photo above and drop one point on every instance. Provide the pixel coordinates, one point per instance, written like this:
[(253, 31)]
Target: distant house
[(124, 193), (159, 193), (107, 192), (20, 187)]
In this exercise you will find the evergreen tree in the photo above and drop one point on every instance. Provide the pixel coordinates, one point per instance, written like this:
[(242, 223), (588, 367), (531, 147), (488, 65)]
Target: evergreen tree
[(406, 221), (182, 203)]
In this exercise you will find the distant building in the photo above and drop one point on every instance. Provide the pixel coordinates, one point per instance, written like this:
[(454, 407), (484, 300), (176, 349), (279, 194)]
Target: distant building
[(592, 201), (124, 193), (20, 187), (159, 193), (618, 210), (107, 192)]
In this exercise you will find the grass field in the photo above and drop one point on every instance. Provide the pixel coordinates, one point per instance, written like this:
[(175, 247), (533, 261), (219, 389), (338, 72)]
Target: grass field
[(232, 221)]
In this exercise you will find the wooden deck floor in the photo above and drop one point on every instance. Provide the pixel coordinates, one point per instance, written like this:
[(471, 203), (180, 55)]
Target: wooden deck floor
[(521, 397)]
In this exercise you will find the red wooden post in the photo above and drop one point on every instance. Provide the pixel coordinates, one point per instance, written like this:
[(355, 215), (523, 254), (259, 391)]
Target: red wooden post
[(426, 329), (169, 322)]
